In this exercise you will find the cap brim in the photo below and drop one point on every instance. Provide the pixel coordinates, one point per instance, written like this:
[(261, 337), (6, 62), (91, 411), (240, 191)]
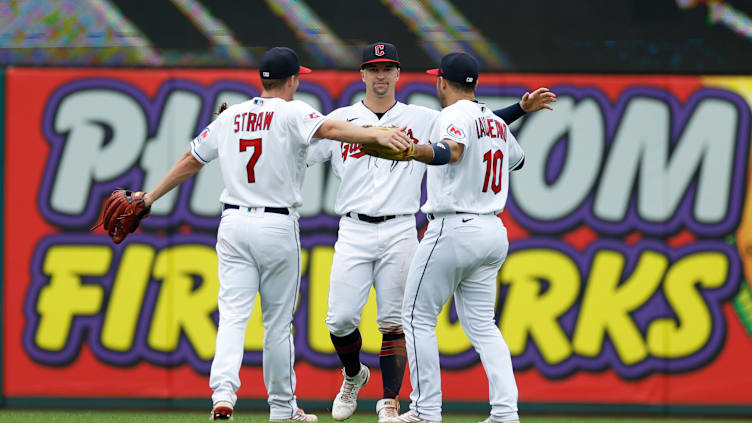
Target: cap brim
[(379, 61), (433, 71), (303, 69)]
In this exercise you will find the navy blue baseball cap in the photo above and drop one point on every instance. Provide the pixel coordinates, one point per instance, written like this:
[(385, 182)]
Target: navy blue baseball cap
[(280, 62), (458, 67), (380, 52)]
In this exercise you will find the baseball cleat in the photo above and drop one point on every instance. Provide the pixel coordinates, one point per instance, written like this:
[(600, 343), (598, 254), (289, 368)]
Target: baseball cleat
[(412, 416), (346, 400), (388, 410), (299, 416), (491, 420), (222, 410)]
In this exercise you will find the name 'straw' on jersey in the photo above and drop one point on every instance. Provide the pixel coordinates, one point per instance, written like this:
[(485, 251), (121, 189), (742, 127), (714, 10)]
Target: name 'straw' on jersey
[(479, 181), (370, 185), (261, 144)]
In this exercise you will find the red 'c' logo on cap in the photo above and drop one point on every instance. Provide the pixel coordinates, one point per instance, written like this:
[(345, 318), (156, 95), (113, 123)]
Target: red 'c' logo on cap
[(378, 50)]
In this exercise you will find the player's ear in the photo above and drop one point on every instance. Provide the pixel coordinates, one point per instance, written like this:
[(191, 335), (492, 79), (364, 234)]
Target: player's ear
[(363, 74)]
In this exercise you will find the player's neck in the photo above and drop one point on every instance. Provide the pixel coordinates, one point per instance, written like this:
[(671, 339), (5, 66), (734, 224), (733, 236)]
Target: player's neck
[(283, 94), (379, 104), (453, 97)]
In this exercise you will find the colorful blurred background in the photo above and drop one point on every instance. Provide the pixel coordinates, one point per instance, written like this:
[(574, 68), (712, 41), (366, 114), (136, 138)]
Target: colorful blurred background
[(627, 286)]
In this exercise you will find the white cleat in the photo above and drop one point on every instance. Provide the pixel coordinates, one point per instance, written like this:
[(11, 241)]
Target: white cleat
[(222, 410), (346, 400), (299, 416), (388, 410), (491, 420), (412, 416)]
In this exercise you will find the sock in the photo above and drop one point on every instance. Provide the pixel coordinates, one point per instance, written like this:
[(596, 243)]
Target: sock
[(393, 358), (348, 350)]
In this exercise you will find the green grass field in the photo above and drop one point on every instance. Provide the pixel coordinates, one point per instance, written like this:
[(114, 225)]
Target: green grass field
[(194, 416)]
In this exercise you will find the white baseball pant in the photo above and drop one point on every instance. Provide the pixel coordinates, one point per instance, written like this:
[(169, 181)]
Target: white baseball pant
[(366, 254), (460, 254), (258, 252)]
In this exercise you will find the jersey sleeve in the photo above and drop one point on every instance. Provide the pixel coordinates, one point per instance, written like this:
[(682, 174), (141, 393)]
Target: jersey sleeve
[(516, 154), (454, 125), (319, 151), (424, 126), (303, 121), (205, 147)]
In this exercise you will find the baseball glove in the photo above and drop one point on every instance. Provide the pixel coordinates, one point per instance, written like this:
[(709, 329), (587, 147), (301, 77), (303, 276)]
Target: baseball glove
[(222, 108), (123, 211), (387, 153)]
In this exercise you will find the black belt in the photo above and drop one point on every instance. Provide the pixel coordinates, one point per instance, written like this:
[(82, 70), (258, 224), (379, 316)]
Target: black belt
[(431, 216), (278, 210), (370, 219)]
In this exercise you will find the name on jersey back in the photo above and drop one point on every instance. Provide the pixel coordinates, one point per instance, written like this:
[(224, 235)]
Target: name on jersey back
[(489, 127), (253, 121)]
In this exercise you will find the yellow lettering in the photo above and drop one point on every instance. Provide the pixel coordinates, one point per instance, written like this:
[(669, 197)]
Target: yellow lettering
[(126, 299), (254, 332), (318, 295), (65, 296), (606, 305), (369, 327), (531, 312), (681, 337), (450, 336), (180, 307)]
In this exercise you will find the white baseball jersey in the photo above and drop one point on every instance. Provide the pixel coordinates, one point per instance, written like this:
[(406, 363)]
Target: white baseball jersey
[(261, 145), (373, 186), (479, 180), (262, 139)]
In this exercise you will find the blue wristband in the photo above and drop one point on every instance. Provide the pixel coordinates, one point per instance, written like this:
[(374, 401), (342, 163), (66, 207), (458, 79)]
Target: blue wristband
[(441, 153)]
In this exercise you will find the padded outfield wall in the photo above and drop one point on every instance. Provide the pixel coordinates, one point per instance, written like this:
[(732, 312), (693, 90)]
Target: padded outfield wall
[(626, 287)]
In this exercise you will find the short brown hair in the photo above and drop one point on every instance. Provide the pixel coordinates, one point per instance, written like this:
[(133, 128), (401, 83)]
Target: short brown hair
[(463, 87), (273, 84)]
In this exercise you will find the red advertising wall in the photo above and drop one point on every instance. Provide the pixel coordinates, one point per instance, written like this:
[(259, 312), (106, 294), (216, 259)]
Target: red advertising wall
[(624, 283)]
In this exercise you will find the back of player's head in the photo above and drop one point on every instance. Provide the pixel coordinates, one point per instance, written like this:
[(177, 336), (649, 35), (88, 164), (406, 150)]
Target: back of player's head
[(378, 53), (279, 63), (461, 69)]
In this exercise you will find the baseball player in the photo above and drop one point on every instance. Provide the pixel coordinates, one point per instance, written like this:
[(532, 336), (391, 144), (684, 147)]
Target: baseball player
[(465, 243), (261, 145), (377, 237)]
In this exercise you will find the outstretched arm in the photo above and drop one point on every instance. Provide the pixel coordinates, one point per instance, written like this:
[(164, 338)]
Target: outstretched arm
[(186, 167), (393, 138), (446, 151), (530, 102)]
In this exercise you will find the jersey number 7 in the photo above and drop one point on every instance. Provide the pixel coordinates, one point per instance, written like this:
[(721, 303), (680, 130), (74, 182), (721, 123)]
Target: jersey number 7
[(493, 170), (256, 144)]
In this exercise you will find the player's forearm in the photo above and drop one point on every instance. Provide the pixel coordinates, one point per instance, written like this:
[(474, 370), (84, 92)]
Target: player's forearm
[(438, 154), (423, 153), (347, 132), (186, 167)]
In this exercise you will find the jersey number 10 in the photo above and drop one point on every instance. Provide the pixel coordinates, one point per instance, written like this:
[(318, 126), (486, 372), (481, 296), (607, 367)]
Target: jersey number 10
[(256, 144), (493, 170)]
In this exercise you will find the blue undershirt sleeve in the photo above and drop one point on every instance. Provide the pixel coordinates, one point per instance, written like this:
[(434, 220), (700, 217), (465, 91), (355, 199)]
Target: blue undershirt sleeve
[(511, 113)]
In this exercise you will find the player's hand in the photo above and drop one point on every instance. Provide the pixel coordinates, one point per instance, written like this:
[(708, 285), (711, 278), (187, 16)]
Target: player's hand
[(394, 138), (537, 100)]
